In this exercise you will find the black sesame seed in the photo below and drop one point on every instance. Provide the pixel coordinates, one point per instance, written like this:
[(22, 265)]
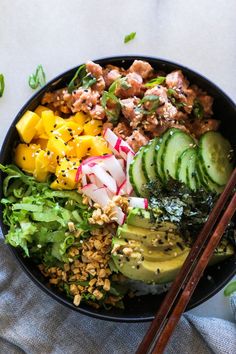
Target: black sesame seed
[(24, 158)]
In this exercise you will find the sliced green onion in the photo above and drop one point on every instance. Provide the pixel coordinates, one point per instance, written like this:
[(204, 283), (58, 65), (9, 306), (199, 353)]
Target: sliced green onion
[(2, 84), (129, 37), (37, 79), (157, 81)]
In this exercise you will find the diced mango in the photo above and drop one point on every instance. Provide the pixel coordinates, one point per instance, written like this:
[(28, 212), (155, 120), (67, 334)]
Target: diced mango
[(41, 166), (93, 127), (41, 109), (68, 130), (99, 147), (42, 142), (83, 145), (26, 126), (66, 173), (57, 146), (40, 131), (49, 121), (80, 118), (25, 156)]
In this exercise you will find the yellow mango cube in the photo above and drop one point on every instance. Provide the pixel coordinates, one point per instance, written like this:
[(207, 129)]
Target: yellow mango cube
[(26, 126), (41, 166), (57, 146), (49, 121), (66, 173), (41, 109), (42, 142), (68, 130), (83, 145), (99, 147), (80, 118), (25, 155), (40, 131), (93, 127)]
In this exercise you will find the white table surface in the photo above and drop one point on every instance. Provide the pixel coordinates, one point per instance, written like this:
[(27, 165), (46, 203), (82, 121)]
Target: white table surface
[(61, 34)]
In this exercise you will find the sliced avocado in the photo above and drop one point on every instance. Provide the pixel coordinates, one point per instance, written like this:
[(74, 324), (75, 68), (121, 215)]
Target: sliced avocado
[(154, 264), (150, 268), (140, 218), (157, 239)]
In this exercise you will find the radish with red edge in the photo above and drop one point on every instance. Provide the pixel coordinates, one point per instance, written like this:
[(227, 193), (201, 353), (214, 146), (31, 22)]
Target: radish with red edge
[(136, 202), (120, 215), (98, 195), (118, 145), (104, 178), (84, 180), (112, 165), (123, 188)]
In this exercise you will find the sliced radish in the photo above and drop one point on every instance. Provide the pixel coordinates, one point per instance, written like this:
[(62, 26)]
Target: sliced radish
[(114, 168), (138, 202), (84, 180), (104, 178), (120, 215), (98, 195), (118, 145), (123, 188), (122, 163)]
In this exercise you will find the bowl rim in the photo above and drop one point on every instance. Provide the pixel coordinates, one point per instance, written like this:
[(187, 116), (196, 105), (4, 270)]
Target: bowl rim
[(102, 61)]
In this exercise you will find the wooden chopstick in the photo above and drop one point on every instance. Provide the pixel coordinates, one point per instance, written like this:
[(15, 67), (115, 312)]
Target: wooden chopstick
[(182, 288)]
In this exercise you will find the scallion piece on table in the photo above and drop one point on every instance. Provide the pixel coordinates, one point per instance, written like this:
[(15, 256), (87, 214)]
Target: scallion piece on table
[(38, 78), (129, 37), (2, 84)]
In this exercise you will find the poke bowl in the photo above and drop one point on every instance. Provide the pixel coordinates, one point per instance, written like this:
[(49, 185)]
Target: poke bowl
[(108, 174)]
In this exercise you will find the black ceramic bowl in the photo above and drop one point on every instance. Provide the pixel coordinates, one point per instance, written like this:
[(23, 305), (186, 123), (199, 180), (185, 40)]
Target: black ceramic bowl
[(141, 308)]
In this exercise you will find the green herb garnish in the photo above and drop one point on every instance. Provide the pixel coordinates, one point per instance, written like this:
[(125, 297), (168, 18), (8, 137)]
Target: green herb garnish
[(75, 82), (129, 37), (81, 79), (149, 98), (171, 93), (198, 110), (112, 113), (157, 81), (37, 79), (230, 288), (2, 84)]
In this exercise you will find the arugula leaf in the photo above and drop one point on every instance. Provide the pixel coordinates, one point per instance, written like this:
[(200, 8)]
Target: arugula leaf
[(230, 288), (113, 113), (198, 109), (37, 79), (2, 84), (157, 81), (129, 37)]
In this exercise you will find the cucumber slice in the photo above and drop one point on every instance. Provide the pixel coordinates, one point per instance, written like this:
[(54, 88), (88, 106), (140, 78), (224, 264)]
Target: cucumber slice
[(174, 147), (216, 157), (186, 170), (148, 160), (192, 180), (160, 147), (206, 182), (136, 175)]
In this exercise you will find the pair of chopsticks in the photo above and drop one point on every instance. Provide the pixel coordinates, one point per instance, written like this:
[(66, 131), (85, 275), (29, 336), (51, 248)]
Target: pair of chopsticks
[(186, 281)]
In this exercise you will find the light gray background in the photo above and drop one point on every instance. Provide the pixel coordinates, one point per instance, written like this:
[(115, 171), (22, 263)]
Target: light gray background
[(60, 34)]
